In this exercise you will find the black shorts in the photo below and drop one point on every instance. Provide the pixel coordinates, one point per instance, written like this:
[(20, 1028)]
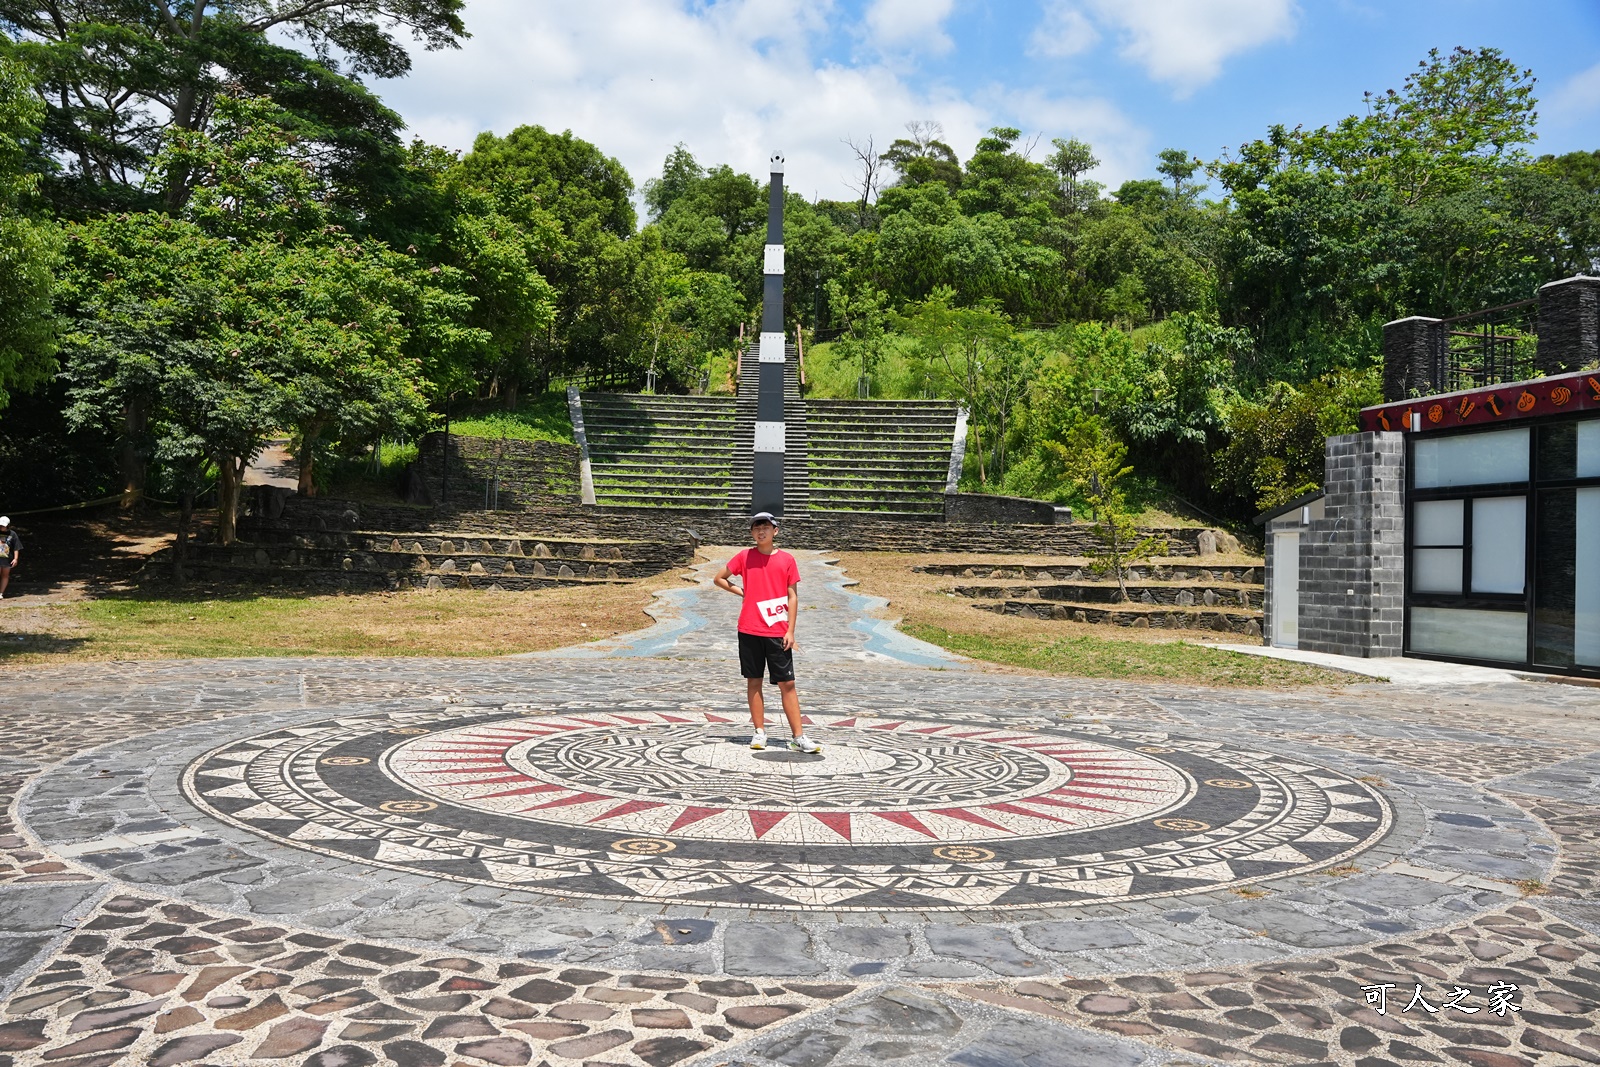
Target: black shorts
[(758, 655)]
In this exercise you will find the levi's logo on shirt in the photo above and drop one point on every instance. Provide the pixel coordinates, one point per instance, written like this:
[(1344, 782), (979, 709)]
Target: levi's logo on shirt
[(774, 611)]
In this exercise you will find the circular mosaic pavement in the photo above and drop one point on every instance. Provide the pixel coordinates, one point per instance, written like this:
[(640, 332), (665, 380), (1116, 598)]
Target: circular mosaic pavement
[(643, 801)]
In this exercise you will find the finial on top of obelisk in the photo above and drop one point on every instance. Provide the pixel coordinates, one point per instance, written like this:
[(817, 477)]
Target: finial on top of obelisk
[(777, 163)]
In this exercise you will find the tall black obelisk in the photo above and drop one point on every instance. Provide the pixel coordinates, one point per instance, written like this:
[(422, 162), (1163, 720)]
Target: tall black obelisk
[(767, 480)]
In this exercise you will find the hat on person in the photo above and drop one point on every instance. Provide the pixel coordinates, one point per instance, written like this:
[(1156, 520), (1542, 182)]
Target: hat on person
[(763, 516), (4, 521)]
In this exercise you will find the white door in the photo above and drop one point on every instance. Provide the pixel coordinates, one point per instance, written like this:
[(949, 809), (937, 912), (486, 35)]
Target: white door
[(1286, 590)]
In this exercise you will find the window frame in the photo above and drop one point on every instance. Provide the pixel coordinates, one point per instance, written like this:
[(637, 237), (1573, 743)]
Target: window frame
[(1524, 602)]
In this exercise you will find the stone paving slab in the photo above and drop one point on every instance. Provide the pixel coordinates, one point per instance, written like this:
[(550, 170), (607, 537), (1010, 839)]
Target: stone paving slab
[(137, 928)]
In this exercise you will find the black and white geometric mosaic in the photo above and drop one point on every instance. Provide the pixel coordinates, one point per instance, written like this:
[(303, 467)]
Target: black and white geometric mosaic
[(665, 802)]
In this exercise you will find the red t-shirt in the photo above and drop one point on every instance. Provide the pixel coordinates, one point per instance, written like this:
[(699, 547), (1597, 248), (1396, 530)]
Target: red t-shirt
[(766, 590)]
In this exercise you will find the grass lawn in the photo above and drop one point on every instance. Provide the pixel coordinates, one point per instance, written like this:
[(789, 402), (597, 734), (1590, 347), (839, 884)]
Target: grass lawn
[(933, 614), (1094, 656), (543, 418), (441, 623)]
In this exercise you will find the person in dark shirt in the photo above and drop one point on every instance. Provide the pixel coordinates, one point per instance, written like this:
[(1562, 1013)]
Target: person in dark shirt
[(10, 553)]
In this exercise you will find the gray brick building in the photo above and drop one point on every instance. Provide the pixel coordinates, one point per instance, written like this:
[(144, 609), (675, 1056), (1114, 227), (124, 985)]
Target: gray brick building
[(1463, 521)]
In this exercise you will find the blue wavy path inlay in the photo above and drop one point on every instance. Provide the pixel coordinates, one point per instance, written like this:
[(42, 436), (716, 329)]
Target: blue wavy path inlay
[(836, 625)]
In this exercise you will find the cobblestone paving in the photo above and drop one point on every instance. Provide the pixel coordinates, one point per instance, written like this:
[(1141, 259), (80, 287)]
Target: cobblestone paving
[(135, 928)]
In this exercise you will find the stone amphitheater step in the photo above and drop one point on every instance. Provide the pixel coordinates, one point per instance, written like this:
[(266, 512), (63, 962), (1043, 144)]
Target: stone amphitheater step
[(1076, 569), (514, 544), (1173, 594), (383, 562), (1221, 619), (624, 479), (677, 449), (882, 494), (283, 553), (879, 457)]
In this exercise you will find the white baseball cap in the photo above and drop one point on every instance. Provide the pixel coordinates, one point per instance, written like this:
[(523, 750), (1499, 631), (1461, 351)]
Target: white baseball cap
[(4, 521)]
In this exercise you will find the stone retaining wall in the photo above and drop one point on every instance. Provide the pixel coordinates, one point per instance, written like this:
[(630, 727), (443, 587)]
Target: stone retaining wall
[(515, 474), (841, 533), (817, 530), (999, 510)]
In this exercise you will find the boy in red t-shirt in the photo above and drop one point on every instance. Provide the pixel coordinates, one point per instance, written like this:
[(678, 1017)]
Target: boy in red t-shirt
[(766, 626)]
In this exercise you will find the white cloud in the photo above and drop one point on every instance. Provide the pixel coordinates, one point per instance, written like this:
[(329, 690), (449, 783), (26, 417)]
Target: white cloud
[(1575, 101), (1183, 43), (910, 24), (1064, 31), (733, 80)]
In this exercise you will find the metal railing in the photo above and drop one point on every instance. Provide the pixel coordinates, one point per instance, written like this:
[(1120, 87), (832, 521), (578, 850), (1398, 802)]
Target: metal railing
[(1485, 347)]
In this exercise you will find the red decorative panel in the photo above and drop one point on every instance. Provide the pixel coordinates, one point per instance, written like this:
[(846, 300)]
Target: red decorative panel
[(1556, 395)]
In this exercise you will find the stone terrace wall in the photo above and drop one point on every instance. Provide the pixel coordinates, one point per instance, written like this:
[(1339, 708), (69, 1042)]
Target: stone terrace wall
[(529, 473), (1006, 510), (839, 533)]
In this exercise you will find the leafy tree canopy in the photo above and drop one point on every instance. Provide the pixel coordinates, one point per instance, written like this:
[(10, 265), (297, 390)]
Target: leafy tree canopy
[(116, 76)]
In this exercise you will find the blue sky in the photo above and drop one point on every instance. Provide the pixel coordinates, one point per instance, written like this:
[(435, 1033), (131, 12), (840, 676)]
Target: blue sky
[(736, 79)]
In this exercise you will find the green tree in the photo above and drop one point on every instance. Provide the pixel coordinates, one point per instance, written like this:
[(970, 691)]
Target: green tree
[(28, 246), (1096, 464), (1176, 165), (283, 320), (923, 156), (679, 176), (1275, 446), (1427, 203), (1071, 160), (864, 316), (1174, 418), (149, 353), (116, 77), (974, 356), (477, 254), (565, 186)]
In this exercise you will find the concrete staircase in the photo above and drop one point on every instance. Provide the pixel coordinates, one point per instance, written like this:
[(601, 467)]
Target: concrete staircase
[(796, 483), (884, 458), (880, 457), (661, 451)]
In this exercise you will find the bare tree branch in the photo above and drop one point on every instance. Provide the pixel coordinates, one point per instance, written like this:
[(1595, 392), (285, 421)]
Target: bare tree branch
[(870, 175)]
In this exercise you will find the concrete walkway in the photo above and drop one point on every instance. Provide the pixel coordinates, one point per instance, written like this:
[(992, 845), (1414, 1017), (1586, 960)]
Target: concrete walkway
[(1401, 670)]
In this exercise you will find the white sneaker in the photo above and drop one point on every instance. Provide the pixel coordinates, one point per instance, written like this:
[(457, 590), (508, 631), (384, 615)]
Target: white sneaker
[(802, 743), (758, 740)]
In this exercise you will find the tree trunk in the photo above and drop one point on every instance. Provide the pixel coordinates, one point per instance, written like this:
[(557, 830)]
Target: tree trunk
[(230, 473), (508, 395), (307, 458), (180, 551), (134, 418), (185, 110)]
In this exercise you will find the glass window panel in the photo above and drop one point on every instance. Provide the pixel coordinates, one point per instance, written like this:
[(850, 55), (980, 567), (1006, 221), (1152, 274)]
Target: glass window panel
[(1471, 459), (1438, 522), (1499, 544), (1586, 598), (1589, 448), (1436, 570), (1470, 634)]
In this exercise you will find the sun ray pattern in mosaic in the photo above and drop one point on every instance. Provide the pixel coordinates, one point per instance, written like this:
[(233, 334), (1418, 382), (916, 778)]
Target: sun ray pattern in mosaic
[(901, 811)]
